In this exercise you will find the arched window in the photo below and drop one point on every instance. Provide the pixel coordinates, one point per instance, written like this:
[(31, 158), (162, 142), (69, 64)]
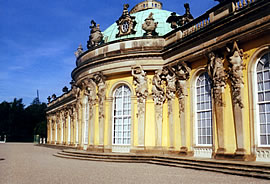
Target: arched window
[(203, 111), (263, 99), (122, 116)]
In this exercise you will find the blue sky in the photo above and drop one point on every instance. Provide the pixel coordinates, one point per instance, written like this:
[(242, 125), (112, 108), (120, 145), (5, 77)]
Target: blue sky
[(38, 40)]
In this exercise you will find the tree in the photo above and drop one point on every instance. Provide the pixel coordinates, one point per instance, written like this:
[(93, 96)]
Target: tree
[(20, 123)]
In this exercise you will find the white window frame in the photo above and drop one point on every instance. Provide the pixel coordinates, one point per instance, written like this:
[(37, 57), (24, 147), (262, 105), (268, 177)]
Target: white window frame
[(255, 96), (196, 116), (121, 116)]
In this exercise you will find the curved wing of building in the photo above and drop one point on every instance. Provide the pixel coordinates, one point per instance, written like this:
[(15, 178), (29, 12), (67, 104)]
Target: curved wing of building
[(161, 82)]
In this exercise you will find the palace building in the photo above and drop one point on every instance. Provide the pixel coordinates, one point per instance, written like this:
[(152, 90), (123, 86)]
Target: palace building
[(168, 83)]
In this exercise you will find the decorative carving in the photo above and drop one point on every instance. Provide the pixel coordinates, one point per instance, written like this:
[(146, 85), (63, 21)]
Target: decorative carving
[(182, 74), (76, 91), (95, 37), (53, 96), (159, 98), (99, 79), (90, 92), (235, 72), (170, 78), (140, 81), (157, 89), (150, 26), (79, 51), (126, 23), (176, 21), (218, 76), (65, 89), (49, 99)]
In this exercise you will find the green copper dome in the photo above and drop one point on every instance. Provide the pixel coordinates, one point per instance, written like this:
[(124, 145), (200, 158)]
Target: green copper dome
[(159, 15)]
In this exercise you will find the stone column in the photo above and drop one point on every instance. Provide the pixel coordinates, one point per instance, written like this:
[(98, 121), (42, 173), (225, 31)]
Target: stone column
[(217, 74), (99, 79), (66, 121), (62, 128), (170, 78), (79, 123), (82, 129), (72, 124), (49, 129), (182, 73), (159, 98), (236, 76), (140, 81), (55, 124)]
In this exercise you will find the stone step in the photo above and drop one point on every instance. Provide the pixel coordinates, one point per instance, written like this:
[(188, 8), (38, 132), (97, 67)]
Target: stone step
[(217, 163), (253, 169), (212, 169), (102, 157), (98, 159)]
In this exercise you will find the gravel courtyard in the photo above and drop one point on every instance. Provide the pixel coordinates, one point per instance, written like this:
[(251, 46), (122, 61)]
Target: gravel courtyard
[(27, 164)]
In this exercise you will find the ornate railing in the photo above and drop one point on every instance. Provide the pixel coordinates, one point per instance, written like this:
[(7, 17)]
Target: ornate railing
[(242, 3), (214, 14)]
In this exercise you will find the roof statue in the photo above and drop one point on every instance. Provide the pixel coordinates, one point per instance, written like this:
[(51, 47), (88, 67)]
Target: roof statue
[(95, 37), (176, 21), (79, 51), (150, 26)]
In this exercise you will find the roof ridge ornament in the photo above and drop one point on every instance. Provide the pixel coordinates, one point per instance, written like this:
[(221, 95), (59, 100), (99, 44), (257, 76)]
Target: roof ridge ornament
[(149, 26), (79, 51), (176, 21), (96, 36), (126, 23)]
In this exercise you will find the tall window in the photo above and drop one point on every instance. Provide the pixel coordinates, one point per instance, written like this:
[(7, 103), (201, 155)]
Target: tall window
[(263, 81), (122, 116), (204, 110)]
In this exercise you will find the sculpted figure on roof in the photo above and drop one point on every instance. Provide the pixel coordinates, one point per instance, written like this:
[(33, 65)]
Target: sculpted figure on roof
[(150, 25), (95, 37)]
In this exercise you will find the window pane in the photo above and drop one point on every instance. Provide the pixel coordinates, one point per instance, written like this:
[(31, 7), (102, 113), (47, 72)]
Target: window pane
[(204, 117), (266, 75), (263, 129), (259, 77), (267, 85), (263, 139), (122, 109), (259, 66), (260, 86), (260, 97), (263, 80)]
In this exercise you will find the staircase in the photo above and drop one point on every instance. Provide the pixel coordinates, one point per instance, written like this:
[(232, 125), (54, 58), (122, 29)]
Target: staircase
[(251, 169)]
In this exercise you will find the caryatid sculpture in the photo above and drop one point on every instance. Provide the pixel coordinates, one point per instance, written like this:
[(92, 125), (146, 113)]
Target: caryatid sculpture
[(140, 81), (170, 78), (159, 98), (157, 90), (218, 78), (235, 72), (182, 74), (99, 79)]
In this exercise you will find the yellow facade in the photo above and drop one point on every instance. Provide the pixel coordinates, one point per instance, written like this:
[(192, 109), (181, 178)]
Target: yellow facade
[(92, 104)]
